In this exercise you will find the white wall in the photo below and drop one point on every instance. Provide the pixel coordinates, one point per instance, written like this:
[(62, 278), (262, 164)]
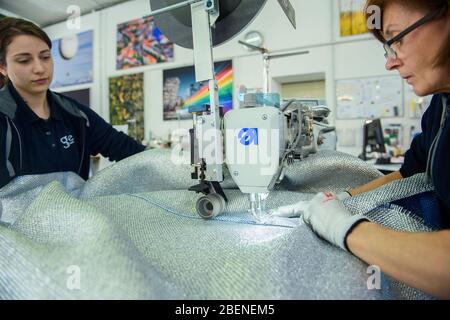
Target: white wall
[(317, 31), (362, 59), (246, 66)]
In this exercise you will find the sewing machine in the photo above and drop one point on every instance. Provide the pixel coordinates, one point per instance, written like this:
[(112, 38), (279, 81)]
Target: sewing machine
[(255, 142)]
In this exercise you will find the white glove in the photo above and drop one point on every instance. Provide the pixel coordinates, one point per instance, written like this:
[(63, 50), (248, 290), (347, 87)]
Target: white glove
[(296, 210), (329, 218), (291, 211)]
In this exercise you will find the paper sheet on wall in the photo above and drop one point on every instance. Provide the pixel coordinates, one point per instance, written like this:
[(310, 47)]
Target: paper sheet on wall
[(416, 105), (375, 97)]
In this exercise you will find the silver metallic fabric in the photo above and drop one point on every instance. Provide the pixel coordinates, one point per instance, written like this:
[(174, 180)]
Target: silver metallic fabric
[(376, 206), (131, 232)]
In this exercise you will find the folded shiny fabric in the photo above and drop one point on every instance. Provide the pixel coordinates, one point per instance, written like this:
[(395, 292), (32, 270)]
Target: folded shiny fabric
[(131, 232)]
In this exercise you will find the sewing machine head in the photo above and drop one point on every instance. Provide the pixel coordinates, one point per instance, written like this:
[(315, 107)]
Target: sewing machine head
[(259, 141), (263, 138)]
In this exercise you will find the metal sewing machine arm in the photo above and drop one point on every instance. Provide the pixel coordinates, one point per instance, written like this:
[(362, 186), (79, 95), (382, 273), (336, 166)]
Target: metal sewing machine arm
[(207, 162), (262, 125)]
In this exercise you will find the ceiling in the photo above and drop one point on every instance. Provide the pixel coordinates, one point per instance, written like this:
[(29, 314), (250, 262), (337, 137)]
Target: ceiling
[(48, 12)]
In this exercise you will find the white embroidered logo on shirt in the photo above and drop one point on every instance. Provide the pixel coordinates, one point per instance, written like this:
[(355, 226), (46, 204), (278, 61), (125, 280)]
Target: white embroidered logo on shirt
[(67, 141)]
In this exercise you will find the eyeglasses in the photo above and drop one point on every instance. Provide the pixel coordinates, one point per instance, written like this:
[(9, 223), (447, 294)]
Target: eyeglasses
[(389, 51)]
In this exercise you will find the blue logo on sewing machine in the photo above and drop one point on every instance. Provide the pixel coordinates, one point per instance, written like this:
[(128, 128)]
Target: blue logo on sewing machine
[(248, 136)]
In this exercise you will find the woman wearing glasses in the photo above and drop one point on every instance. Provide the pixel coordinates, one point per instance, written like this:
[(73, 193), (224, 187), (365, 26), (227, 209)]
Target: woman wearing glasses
[(416, 38)]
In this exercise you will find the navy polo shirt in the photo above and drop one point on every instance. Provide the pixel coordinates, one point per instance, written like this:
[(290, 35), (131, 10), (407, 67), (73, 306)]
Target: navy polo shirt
[(61, 143), (416, 157), (49, 145)]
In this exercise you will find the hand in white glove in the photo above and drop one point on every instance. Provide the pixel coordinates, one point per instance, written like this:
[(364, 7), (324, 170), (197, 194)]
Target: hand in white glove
[(296, 210), (329, 218), (291, 211)]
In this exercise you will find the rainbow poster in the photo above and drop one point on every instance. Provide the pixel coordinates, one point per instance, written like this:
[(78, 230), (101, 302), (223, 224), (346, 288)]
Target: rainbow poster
[(181, 91)]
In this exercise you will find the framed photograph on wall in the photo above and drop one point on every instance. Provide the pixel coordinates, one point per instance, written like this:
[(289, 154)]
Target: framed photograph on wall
[(180, 90), (140, 43), (126, 103), (73, 60), (352, 20)]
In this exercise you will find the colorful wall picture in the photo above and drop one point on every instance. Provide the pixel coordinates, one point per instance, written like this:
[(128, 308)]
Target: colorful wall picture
[(181, 91), (352, 18), (72, 56), (140, 43), (82, 96), (126, 103)]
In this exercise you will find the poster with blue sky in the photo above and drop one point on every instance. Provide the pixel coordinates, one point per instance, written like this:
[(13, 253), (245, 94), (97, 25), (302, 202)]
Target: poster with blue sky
[(72, 57)]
